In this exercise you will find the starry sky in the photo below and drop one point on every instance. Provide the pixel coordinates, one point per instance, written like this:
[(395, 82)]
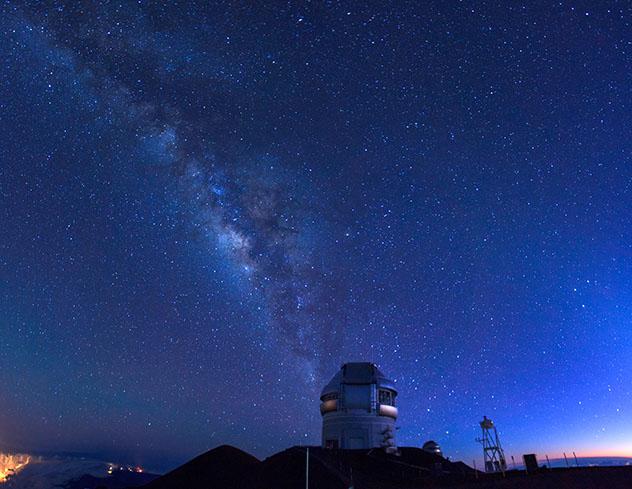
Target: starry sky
[(206, 208)]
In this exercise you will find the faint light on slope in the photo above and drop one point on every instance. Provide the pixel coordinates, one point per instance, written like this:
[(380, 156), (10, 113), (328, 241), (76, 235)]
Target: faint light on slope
[(12, 464)]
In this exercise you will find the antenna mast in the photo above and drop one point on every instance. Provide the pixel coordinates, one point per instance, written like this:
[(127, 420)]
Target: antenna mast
[(493, 454)]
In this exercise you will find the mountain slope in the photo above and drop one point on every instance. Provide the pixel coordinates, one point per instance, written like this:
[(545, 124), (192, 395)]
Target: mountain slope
[(223, 467)]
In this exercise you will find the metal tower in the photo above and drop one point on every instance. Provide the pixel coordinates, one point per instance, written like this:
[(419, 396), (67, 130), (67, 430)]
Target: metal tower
[(493, 454)]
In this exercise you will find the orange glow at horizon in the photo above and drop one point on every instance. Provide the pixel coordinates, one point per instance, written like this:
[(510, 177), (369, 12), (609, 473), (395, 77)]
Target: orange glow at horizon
[(624, 452)]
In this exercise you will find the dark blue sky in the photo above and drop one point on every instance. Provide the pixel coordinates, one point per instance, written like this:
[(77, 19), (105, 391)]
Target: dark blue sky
[(205, 209)]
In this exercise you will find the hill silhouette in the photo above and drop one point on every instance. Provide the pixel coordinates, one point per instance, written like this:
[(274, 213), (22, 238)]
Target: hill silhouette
[(227, 467), (224, 466)]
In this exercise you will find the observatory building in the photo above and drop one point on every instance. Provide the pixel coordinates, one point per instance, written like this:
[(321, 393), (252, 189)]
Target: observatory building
[(358, 409), (432, 446)]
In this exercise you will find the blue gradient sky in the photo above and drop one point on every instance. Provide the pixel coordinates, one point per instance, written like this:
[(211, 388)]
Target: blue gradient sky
[(206, 210)]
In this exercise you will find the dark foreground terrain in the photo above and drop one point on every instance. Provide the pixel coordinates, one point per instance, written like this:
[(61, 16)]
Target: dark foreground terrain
[(118, 480), (572, 478), (227, 467)]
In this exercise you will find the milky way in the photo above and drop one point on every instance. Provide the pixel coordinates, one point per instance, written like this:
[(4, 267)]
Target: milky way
[(243, 203)]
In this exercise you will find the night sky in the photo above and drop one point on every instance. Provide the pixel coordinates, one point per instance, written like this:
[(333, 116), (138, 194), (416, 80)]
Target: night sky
[(206, 209)]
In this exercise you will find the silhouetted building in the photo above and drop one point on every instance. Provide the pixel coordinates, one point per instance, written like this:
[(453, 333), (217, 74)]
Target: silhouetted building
[(530, 462), (432, 446)]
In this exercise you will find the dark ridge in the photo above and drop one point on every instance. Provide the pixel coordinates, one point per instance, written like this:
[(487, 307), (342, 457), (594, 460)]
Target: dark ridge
[(122, 479), (222, 467), (286, 470), (229, 468)]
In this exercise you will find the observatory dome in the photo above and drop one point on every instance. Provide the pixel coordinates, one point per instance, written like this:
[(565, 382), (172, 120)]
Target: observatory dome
[(358, 408), (432, 446)]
